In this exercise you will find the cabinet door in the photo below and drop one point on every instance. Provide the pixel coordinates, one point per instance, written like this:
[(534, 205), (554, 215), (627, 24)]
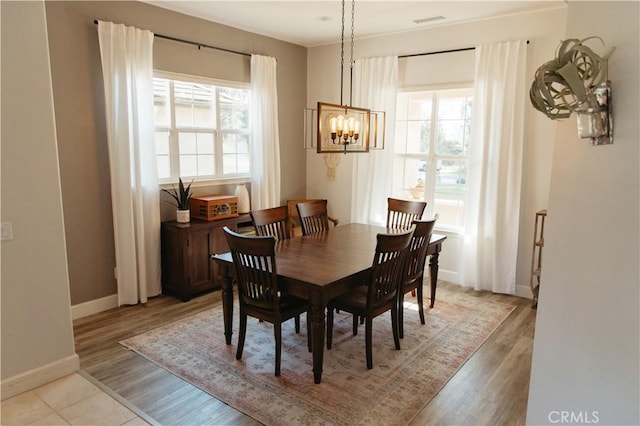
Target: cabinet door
[(199, 271), (218, 244)]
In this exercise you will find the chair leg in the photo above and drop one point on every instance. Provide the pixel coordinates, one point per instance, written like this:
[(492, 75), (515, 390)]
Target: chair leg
[(394, 326), (297, 322), (241, 335), (329, 326), (277, 331), (309, 333), (420, 304), (355, 325), (368, 342), (401, 314)]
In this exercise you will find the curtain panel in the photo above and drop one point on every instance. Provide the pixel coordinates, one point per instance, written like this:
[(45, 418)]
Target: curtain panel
[(127, 68), (375, 88), (494, 176), (265, 138)]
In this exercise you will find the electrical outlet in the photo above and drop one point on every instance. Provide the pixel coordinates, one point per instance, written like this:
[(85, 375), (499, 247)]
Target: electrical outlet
[(7, 232)]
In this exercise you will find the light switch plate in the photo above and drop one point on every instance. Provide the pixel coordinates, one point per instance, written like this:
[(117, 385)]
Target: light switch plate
[(6, 233)]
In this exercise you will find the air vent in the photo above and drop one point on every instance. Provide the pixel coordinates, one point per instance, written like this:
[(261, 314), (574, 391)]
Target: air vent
[(431, 19)]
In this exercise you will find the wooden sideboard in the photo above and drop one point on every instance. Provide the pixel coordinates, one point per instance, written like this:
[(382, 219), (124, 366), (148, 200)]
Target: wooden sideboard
[(187, 268)]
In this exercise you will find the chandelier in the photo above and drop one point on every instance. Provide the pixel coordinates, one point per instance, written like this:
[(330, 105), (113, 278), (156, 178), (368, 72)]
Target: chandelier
[(344, 127)]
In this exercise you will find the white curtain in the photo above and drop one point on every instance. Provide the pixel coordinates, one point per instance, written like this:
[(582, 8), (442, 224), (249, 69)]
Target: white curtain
[(375, 87), (127, 68), (495, 169), (265, 140)]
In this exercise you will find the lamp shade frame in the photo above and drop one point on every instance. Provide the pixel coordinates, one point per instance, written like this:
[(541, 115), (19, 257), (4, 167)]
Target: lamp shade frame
[(325, 143)]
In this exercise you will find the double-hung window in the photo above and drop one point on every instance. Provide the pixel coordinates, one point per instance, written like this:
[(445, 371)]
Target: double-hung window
[(432, 134), (202, 128)]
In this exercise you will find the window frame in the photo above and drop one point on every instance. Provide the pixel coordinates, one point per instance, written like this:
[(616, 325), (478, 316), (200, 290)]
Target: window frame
[(217, 132), (431, 157)]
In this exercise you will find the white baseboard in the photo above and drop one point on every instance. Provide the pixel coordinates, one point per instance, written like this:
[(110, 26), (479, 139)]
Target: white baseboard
[(94, 306), (39, 376), (446, 275), (524, 291)]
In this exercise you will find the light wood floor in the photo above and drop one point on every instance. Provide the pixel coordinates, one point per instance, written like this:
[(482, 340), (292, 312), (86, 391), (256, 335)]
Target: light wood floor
[(490, 389)]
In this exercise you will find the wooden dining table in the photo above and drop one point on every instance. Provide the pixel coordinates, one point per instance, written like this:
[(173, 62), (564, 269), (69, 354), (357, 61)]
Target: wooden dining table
[(320, 267)]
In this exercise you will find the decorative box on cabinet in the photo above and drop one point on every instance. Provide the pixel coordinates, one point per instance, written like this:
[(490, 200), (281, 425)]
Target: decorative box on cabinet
[(187, 268)]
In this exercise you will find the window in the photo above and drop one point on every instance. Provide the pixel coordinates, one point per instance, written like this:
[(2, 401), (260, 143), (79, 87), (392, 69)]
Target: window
[(431, 144), (202, 129)]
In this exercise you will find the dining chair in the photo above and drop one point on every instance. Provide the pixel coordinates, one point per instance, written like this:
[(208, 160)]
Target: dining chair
[(259, 296), (381, 292), (414, 268), (273, 222), (313, 216), (296, 227), (400, 213)]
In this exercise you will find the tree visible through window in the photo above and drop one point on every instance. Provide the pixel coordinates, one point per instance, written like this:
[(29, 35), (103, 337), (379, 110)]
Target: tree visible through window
[(433, 130), (202, 129)]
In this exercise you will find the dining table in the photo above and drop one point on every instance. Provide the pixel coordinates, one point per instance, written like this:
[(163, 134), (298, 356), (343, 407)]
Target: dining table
[(320, 267)]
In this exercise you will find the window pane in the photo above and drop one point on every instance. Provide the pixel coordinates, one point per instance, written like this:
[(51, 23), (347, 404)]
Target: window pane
[(164, 166), (450, 191), (418, 136), (188, 165), (206, 165), (414, 172), (161, 104), (235, 143), (194, 104), (420, 106), (234, 117), (236, 156), (451, 137), (205, 143), (187, 143), (234, 108), (162, 143)]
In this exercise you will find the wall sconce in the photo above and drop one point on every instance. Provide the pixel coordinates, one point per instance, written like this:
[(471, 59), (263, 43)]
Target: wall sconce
[(577, 80), (595, 119)]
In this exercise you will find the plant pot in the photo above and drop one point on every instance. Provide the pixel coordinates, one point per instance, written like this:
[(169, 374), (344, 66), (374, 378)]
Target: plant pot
[(183, 216)]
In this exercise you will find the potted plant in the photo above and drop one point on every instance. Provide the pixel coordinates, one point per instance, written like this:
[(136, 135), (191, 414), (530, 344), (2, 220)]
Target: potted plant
[(181, 197)]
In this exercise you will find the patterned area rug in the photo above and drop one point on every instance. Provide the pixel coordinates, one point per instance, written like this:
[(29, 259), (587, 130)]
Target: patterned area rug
[(400, 384)]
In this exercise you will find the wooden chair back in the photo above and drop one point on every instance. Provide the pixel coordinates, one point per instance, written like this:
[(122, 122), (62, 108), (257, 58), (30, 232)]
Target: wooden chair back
[(272, 222), (417, 254), (254, 261), (296, 227), (387, 268), (401, 213), (313, 216)]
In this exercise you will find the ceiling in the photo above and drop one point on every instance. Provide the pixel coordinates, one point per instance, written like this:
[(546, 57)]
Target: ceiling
[(315, 22)]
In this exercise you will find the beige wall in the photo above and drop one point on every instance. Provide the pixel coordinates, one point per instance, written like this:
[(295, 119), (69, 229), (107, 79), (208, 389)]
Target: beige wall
[(586, 349), (36, 315), (543, 29), (79, 102)]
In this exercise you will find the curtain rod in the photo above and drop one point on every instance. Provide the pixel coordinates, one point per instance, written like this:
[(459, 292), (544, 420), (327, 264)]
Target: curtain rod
[(463, 49), (193, 43)]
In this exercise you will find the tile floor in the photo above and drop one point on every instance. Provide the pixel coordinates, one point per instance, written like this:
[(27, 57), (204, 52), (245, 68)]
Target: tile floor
[(71, 400)]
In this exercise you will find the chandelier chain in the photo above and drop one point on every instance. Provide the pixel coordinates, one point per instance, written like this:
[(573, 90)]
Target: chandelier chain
[(342, 55), (351, 62), (353, 14)]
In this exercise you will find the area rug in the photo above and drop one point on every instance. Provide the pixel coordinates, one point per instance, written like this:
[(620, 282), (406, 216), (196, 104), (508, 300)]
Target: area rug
[(400, 384)]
